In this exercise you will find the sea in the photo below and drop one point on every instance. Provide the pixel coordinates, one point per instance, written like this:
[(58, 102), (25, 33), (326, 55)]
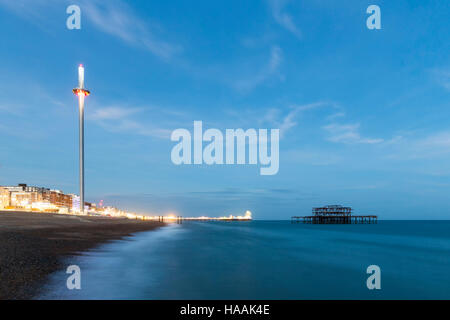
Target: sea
[(266, 260)]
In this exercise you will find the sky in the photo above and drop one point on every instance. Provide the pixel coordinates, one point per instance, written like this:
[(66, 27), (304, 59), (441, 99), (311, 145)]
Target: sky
[(364, 115)]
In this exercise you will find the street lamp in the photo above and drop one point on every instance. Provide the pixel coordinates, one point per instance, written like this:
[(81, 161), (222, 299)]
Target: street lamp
[(81, 92)]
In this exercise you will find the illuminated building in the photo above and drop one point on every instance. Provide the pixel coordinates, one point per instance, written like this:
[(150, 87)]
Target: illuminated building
[(38, 199), (23, 196), (23, 199), (58, 198), (75, 202), (4, 198)]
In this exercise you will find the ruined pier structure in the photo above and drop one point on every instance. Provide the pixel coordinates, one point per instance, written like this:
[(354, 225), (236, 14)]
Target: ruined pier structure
[(334, 214)]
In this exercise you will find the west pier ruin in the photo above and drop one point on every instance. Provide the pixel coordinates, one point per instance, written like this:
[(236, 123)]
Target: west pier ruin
[(334, 214)]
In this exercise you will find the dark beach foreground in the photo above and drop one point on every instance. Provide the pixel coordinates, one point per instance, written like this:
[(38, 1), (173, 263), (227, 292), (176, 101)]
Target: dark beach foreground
[(33, 245)]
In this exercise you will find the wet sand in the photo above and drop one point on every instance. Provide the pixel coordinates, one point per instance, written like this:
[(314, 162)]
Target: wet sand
[(32, 245)]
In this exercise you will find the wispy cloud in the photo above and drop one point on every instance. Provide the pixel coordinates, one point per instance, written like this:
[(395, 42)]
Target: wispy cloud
[(440, 140), (241, 192), (258, 41), (280, 15), (120, 120), (289, 121), (413, 147), (34, 10), (318, 157), (113, 113), (278, 118), (12, 102), (336, 115), (251, 193), (271, 69), (348, 133), (114, 17), (442, 76)]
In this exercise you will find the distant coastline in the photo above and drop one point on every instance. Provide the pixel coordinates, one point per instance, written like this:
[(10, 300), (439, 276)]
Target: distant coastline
[(33, 245)]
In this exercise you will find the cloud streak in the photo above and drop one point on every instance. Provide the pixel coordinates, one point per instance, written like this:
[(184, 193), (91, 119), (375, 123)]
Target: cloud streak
[(289, 121), (270, 70), (113, 113), (435, 145), (283, 18), (116, 18), (275, 118), (348, 134), (443, 77), (120, 120)]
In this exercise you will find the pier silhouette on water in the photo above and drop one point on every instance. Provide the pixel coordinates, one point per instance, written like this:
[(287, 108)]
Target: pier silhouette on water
[(334, 214)]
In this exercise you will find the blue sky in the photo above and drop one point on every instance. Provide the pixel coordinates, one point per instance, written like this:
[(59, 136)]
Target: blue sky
[(364, 114)]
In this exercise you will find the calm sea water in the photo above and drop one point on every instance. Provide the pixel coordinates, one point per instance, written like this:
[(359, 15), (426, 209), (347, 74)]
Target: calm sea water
[(267, 260)]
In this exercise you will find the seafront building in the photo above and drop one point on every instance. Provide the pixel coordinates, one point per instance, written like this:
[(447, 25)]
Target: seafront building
[(4, 198), (39, 199), (30, 198)]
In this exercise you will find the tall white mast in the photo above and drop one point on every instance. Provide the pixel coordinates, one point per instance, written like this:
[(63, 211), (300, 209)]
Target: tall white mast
[(81, 92)]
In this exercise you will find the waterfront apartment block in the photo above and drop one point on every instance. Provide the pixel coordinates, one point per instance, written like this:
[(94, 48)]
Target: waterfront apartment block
[(4, 198), (38, 199), (24, 197)]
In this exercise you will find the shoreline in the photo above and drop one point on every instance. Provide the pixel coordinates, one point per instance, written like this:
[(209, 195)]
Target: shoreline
[(34, 245)]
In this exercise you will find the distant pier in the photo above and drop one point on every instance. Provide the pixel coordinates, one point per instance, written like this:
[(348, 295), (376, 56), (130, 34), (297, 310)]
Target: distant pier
[(334, 214), (180, 219), (177, 219)]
